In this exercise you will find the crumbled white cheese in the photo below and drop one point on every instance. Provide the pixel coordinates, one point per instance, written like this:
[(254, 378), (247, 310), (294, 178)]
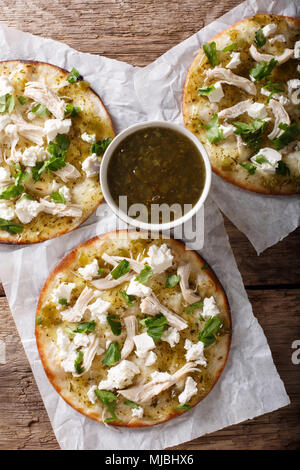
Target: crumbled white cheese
[(52, 127), (7, 211), (293, 161), (66, 351), (159, 377), (91, 165), (297, 50), (278, 38), (144, 343), (269, 29), (138, 412), (90, 270), (119, 376), (210, 308), (26, 210), (195, 352), (99, 309), (227, 130), (63, 291), (89, 138), (257, 111), (150, 359), (66, 193), (32, 155), (138, 289), (190, 389), (91, 393), (235, 60), (217, 94), (159, 258), (272, 157), (81, 339), (171, 336), (6, 86)]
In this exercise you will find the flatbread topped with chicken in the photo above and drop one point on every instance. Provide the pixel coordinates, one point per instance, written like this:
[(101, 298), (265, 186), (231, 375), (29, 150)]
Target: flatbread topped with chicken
[(53, 132), (241, 99), (133, 331)]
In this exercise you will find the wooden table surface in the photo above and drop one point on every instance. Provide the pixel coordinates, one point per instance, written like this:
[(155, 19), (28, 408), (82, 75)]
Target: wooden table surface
[(139, 31)]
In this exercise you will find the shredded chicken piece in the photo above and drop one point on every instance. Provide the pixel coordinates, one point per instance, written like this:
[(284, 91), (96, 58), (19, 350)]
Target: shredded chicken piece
[(61, 210), (90, 353), (226, 76), (184, 271), (75, 313), (68, 173), (108, 282), (28, 130), (259, 57), (4, 120), (40, 93), (130, 325), (281, 116), (12, 133), (236, 110), (144, 393), (137, 266), (152, 306)]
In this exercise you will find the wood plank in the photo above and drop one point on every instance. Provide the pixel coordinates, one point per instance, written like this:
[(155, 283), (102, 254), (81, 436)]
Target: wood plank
[(24, 423)]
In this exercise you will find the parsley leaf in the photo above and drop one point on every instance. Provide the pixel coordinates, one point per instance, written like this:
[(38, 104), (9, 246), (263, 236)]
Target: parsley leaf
[(58, 197), (85, 326), (260, 38), (249, 167), (40, 110), (204, 267), (289, 134), (211, 52), (122, 268), (78, 363), (113, 354), (109, 401), (206, 90), (145, 274), (21, 175), (99, 147), (115, 324), (251, 132), (261, 159), (58, 151), (7, 103), (129, 299), (263, 69), (207, 335), (182, 407), (22, 99), (38, 320), (71, 110), (73, 76), (273, 87), (10, 227), (213, 131), (193, 307), (282, 169), (63, 301), (172, 280), (12, 192), (132, 404), (229, 48), (155, 325)]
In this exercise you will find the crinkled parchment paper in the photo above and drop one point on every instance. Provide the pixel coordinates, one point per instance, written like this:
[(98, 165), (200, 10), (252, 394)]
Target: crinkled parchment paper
[(265, 220), (249, 386)]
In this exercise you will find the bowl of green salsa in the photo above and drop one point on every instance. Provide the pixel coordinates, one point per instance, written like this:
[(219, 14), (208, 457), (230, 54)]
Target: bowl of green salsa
[(155, 175)]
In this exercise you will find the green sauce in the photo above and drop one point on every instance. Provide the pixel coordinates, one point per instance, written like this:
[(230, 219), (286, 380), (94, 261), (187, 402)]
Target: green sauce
[(157, 166)]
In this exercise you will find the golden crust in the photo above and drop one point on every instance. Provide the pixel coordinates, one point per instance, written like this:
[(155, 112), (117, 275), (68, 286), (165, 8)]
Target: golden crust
[(179, 248), (6, 238), (253, 185)]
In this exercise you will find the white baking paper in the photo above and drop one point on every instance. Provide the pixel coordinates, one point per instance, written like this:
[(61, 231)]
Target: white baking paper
[(265, 220), (249, 385)]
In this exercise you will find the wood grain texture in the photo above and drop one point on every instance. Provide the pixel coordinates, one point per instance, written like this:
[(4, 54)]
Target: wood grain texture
[(138, 32)]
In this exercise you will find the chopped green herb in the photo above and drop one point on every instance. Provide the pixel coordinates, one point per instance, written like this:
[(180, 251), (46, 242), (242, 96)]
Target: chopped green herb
[(260, 38), (63, 301), (71, 110), (10, 227), (28, 196), (58, 197), (211, 52), (58, 151), (206, 90), (78, 362), (40, 110), (273, 87), (12, 192), (145, 274), (282, 169), (99, 147), (172, 281), (193, 307), (182, 407), (251, 133), (74, 76), (289, 134), (263, 69), (155, 325), (112, 355), (204, 267), (7, 103), (115, 324), (20, 176), (109, 401), (122, 268), (101, 271), (261, 159), (132, 404), (207, 335), (38, 320), (22, 99), (229, 48), (85, 326), (249, 167), (213, 131), (128, 298)]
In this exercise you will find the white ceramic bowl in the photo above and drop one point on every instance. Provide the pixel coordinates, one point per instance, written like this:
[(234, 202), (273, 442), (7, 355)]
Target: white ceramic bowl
[(105, 162)]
